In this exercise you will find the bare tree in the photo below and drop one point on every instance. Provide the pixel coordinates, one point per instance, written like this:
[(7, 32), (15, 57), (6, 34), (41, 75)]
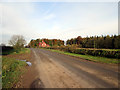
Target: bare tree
[(17, 41), (2, 44)]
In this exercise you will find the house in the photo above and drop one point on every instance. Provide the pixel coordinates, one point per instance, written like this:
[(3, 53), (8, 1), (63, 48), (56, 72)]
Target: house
[(43, 44)]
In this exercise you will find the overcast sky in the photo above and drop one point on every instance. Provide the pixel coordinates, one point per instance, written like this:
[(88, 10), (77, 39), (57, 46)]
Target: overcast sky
[(60, 20)]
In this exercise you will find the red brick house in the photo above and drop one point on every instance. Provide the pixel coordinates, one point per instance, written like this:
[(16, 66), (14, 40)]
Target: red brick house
[(43, 44)]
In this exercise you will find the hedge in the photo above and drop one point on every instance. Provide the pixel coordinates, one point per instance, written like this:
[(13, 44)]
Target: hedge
[(93, 52)]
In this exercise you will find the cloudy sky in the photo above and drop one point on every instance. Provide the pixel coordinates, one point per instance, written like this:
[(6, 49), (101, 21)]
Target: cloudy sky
[(60, 20)]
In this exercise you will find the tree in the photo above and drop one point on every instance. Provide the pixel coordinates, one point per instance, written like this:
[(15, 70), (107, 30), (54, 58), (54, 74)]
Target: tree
[(55, 42), (2, 44), (108, 42), (17, 41), (79, 40), (117, 42)]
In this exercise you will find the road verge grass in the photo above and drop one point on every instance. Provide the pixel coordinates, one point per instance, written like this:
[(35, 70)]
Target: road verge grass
[(90, 58), (12, 68), (0, 72), (22, 51)]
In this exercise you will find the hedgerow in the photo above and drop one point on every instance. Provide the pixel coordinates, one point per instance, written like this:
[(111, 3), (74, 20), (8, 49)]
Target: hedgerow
[(86, 51)]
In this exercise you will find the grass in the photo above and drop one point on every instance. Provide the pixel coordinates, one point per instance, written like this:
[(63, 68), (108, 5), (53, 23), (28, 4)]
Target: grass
[(0, 72), (12, 69), (91, 58), (22, 51)]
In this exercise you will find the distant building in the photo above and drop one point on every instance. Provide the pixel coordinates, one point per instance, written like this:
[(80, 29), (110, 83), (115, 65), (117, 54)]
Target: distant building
[(43, 44)]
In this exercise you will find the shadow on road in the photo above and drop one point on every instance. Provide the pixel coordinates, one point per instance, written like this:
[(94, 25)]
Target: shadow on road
[(37, 83)]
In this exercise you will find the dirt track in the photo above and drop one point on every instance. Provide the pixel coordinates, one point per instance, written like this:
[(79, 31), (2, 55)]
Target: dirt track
[(56, 70)]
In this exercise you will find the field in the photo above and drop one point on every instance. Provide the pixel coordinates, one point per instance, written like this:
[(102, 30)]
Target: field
[(12, 67)]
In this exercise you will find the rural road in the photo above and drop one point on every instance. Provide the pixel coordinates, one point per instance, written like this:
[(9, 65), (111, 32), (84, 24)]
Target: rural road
[(62, 71)]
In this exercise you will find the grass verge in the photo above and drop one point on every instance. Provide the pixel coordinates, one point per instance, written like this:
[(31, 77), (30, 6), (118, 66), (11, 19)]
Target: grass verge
[(0, 72), (12, 69), (22, 51), (91, 58)]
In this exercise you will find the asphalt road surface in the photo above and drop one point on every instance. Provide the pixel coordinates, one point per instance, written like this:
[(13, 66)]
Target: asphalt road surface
[(62, 71)]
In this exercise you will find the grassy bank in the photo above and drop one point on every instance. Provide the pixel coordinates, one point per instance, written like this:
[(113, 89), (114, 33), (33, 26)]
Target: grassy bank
[(0, 72), (12, 69), (90, 58)]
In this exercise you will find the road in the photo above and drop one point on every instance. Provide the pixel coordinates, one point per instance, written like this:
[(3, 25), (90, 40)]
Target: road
[(62, 71)]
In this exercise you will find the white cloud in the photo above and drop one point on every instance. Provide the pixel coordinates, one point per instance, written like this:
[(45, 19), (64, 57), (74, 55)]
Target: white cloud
[(48, 17), (14, 22), (20, 19), (105, 28), (59, 0)]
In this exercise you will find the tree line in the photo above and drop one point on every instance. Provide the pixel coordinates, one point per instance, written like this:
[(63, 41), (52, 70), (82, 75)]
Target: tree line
[(108, 42), (51, 42)]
